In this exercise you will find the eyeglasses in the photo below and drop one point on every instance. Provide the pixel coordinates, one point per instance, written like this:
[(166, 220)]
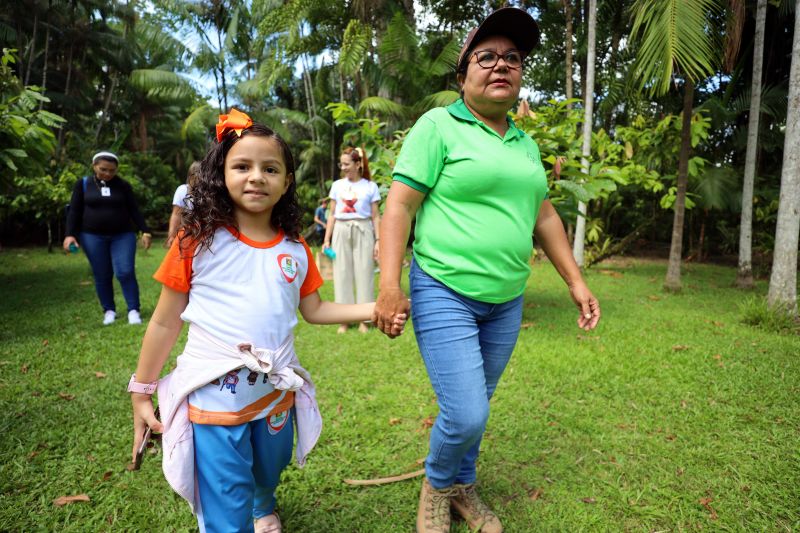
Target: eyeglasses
[(490, 58)]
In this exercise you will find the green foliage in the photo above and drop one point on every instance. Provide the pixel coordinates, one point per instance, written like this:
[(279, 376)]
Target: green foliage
[(756, 312), (153, 183), (674, 36)]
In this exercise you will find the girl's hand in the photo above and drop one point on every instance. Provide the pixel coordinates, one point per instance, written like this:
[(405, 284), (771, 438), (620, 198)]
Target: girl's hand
[(375, 250), (146, 240), (398, 324), (143, 416)]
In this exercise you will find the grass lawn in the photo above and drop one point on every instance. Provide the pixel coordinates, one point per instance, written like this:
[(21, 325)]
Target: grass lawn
[(673, 415)]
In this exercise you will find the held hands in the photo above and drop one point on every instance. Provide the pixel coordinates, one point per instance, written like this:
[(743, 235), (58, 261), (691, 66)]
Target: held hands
[(587, 304), (143, 417), (392, 305)]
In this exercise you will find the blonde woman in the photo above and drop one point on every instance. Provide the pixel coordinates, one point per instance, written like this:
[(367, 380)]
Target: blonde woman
[(353, 230)]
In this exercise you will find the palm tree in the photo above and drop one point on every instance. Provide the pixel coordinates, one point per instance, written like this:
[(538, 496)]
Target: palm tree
[(689, 50), (744, 275), (588, 100), (783, 280)]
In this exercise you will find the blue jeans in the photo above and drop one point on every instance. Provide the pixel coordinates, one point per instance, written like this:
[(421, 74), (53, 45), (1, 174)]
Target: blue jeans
[(238, 469), (109, 255), (465, 345)]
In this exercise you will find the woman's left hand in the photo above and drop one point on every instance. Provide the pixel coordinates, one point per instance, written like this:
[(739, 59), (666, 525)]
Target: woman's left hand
[(587, 304), (376, 249), (146, 240)]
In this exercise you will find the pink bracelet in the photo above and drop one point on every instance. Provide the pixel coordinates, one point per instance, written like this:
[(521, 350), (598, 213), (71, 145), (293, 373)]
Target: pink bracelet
[(141, 388)]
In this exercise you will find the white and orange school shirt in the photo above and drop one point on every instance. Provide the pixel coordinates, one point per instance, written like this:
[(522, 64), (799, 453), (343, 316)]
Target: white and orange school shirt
[(241, 290)]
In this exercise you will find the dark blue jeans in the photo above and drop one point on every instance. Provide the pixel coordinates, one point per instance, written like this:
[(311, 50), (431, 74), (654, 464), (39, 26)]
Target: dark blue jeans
[(111, 255), (465, 345)]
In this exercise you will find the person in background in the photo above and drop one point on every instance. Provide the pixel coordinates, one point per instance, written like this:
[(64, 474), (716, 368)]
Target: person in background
[(321, 220), (353, 228), (476, 184), (99, 220), (181, 202)]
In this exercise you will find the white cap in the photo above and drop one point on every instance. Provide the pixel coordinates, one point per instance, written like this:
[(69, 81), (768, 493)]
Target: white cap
[(104, 155)]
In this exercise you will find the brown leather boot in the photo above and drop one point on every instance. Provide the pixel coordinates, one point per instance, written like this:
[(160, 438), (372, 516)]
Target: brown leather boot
[(433, 515), (469, 505)]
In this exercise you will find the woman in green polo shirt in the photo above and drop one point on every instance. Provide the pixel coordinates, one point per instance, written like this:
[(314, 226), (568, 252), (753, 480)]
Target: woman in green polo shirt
[(476, 185)]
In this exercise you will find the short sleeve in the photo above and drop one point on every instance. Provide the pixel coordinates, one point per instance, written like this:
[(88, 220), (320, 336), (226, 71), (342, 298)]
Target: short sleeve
[(176, 271), (375, 193), (179, 196), (334, 192), (313, 279), (422, 156)]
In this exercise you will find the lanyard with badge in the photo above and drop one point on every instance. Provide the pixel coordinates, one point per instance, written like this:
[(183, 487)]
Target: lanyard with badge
[(104, 189)]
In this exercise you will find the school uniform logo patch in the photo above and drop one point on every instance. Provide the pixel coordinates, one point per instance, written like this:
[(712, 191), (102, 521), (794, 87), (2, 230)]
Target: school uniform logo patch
[(288, 267), (276, 422)]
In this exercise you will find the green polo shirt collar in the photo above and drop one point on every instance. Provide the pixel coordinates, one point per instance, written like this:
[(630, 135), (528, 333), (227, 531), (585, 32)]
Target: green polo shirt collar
[(460, 111)]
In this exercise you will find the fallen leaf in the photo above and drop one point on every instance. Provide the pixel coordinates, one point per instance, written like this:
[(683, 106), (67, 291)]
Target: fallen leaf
[(671, 437), (339, 409), (33, 454), (679, 347), (612, 273), (718, 324), (683, 404), (99, 375), (526, 325), (394, 421), (706, 502), (535, 494), (679, 472), (588, 500), (545, 405), (84, 283), (45, 342), (107, 475), (654, 298), (24, 368), (36, 393), (63, 500), (66, 396), (718, 356), (428, 422)]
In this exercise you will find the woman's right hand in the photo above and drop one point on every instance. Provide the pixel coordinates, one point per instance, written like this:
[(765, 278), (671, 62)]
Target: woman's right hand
[(69, 239), (326, 244), (143, 416)]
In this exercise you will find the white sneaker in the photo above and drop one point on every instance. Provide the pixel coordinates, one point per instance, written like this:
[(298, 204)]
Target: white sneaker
[(134, 317), (109, 317)]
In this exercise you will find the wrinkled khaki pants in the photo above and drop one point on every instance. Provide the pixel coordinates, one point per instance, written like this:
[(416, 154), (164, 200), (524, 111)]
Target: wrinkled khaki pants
[(353, 241)]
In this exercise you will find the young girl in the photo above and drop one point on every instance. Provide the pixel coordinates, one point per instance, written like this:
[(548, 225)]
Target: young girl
[(237, 273)]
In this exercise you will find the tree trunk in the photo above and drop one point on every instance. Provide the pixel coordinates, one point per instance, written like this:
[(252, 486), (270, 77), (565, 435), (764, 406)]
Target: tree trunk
[(744, 275), (588, 102), (106, 105), (46, 59), (673, 279), (783, 281), (33, 49), (62, 129), (568, 17)]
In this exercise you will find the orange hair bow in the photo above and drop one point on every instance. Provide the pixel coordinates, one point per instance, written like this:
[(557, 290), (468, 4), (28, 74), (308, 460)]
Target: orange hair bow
[(235, 120)]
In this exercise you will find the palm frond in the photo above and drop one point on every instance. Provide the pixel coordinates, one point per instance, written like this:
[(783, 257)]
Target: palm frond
[(446, 61), (399, 44), (381, 106), (439, 99), (673, 34), (355, 44), (201, 118)]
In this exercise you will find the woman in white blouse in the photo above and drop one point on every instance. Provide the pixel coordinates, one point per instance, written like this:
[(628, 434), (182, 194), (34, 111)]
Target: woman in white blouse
[(353, 230)]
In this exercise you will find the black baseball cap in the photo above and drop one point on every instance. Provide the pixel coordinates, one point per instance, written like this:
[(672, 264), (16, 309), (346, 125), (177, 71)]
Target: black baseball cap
[(511, 22)]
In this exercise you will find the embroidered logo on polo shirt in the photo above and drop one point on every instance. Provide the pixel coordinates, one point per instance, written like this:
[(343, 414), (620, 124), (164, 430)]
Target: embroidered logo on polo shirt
[(276, 422), (288, 267)]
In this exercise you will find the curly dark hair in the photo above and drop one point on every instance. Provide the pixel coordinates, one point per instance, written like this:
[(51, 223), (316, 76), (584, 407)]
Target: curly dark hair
[(212, 206)]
